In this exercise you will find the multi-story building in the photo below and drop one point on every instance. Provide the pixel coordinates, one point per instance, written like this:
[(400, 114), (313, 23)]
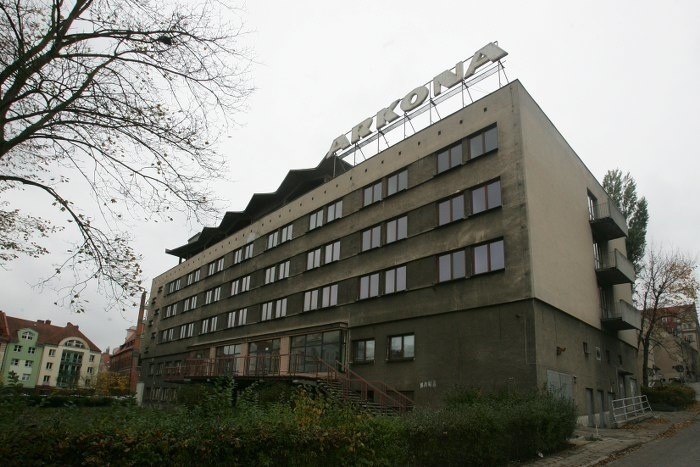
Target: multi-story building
[(40, 354), (675, 355), (477, 252)]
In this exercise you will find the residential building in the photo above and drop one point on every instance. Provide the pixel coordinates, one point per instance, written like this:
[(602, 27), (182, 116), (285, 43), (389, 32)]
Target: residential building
[(477, 252), (125, 359), (43, 355)]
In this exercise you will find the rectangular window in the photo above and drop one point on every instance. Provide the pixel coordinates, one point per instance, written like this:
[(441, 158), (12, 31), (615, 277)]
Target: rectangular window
[(313, 259), (52, 352), (208, 325), (363, 351), (396, 229), (488, 257), (334, 211), (17, 348), (177, 284), (90, 370), (211, 269), (190, 329), (281, 308), (28, 363), (31, 350), (372, 194), (452, 266), (332, 252), (217, 294), (209, 296), (183, 331), (286, 233), (186, 305), (310, 300), (91, 359), (248, 251), (369, 286), (273, 240), (316, 220), (14, 362), (237, 318), (270, 274), (245, 283), (449, 157), (47, 379), (483, 142), (372, 238), (395, 280), (283, 270), (238, 256), (27, 336), (329, 296), (397, 182), (486, 197), (267, 311), (240, 285), (451, 210), (49, 365), (193, 277), (401, 347), (26, 376)]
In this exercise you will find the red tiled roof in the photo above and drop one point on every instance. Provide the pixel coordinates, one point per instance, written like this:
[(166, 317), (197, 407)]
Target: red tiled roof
[(48, 333)]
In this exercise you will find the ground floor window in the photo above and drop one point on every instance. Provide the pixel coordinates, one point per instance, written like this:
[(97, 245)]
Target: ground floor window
[(363, 351), (309, 348), (402, 347), (264, 357)]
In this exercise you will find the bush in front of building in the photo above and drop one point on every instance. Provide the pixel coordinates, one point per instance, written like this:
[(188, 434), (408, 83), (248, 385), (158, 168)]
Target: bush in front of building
[(670, 397)]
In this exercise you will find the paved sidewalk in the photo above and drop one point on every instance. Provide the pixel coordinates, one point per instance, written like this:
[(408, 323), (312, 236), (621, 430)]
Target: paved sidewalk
[(594, 447)]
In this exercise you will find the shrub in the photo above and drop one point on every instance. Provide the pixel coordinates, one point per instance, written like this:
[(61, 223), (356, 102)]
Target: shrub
[(672, 397)]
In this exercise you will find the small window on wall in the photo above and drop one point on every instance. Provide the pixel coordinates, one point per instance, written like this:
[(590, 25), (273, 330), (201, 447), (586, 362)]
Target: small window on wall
[(401, 347), (483, 142), (397, 182), (489, 257), (486, 197), (451, 210), (363, 351), (449, 157), (372, 194)]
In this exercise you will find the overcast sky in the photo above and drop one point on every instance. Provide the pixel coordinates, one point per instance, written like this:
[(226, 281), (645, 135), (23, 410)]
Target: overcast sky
[(617, 78)]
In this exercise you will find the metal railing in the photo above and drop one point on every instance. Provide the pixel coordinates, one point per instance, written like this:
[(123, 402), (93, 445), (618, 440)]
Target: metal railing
[(608, 210), (623, 311), (346, 382), (630, 408)]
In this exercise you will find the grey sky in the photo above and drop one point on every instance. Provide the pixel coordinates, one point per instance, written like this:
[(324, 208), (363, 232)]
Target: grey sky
[(616, 78)]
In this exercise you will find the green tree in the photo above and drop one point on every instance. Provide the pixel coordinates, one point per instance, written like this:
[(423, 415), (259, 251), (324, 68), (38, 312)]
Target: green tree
[(667, 279), (125, 98), (622, 189)]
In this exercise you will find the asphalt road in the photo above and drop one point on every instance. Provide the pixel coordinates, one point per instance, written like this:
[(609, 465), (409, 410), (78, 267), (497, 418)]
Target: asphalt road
[(678, 450)]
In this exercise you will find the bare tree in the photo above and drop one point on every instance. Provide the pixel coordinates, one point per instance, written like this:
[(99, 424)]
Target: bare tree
[(124, 96), (666, 281)]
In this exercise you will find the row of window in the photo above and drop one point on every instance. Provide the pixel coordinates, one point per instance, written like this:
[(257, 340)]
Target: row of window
[(402, 347), (457, 264), (482, 198)]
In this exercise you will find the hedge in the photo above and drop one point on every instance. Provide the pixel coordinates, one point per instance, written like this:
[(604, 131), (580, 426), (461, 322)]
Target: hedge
[(671, 397)]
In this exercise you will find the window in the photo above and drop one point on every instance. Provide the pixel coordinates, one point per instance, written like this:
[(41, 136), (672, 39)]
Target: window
[(396, 229), (183, 331), (283, 270), (52, 352), (193, 277), (395, 280), (49, 365), (17, 348), (91, 359), (486, 197), (248, 251), (75, 343), (286, 233), (171, 310), (397, 182), (47, 379), (177, 284), (372, 194), (369, 286), (29, 363), (334, 211), (371, 238), (452, 266), (329, 296), (216, 266), (313, 259), (488, 257), (27, 335), (190, 329), (208, 325), (31, 350), (401, 347), (213, 295), (332, 252), (363, 351), (272, 240), (279, 308), (217, 294), (483, 142), (310, 300), (316, 220), (451, 210), (237, 318), (26, 376), (14, 362), (270, 274), (449, 157), (240, 285)]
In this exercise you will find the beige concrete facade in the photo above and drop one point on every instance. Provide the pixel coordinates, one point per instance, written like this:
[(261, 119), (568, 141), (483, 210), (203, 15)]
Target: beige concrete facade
[(531, 318)]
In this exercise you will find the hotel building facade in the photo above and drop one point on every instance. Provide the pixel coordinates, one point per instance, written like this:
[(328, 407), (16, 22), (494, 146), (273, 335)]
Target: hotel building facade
[(477, 252)]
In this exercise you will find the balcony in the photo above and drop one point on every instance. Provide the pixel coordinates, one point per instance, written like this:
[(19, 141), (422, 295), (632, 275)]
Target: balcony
[(607, 222), (614, 268), (620, 316)]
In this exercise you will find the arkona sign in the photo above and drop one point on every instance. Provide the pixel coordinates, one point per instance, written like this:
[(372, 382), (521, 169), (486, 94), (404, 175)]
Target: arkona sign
[(447, 79)]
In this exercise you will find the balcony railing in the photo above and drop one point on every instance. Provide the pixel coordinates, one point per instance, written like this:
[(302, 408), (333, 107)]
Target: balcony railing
[(614, 268), (620, 316), (607, 222)]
